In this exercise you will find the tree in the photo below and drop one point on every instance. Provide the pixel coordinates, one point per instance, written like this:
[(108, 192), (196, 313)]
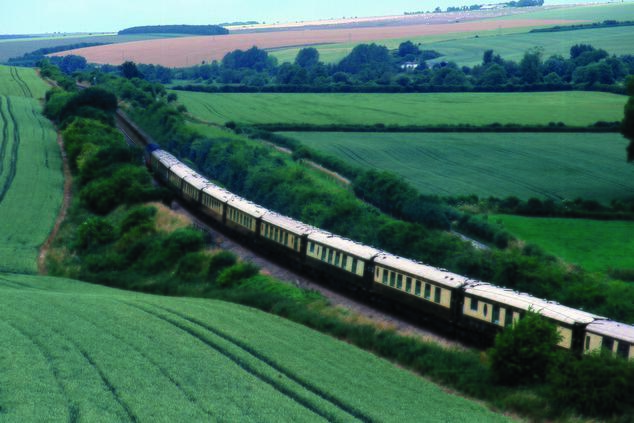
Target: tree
[(408, 48), (524, 353), (72, 63), (307, 57), (627, 128), (530, 67), (129, 70)]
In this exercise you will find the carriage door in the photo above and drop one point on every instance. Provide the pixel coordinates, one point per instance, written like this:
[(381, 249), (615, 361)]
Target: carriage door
[(496, 314)]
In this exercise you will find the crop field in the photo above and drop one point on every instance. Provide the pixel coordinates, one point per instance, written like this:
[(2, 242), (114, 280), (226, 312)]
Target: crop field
[(469, 51), (592, 244), (559, 166), (589, 12), (189, 51), (31, 179), (21, 82), (71, 351), (572, 108)]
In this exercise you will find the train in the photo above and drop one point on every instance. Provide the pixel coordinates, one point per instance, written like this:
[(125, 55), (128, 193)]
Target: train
[(457, 302)]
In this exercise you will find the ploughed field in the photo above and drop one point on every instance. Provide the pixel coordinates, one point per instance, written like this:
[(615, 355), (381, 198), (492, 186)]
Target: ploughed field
[(71, 351), (578, 108), (594, 245), (525, 165), (31, 178)]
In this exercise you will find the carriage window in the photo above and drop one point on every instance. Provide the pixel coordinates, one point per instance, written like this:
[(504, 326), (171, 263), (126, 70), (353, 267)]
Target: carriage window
[(427, 291), (417, 289), (345, 262), (587, 342), (408, 284), (608, 343), (312, 247), (437, 295), (330, 254), (623, 349), (354, 265), (399, 281), (474, 304), (392, 278), (385, 276), (323, 253), (486, 310)]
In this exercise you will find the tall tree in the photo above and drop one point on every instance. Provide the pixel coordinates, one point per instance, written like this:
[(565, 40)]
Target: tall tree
[(307, 57)]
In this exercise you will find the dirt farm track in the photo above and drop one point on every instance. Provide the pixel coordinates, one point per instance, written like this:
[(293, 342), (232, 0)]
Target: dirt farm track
[(189, 51)]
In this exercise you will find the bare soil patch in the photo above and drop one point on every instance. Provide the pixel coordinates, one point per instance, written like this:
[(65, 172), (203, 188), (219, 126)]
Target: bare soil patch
[(189, 51)]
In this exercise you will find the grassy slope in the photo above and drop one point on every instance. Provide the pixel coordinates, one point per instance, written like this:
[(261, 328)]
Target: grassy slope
[(594, 245), (31, 179), (573, 108), (98, 354), (498, 164), (499, 39)]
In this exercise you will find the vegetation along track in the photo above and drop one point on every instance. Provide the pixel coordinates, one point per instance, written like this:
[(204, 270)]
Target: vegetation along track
[(227, 241)]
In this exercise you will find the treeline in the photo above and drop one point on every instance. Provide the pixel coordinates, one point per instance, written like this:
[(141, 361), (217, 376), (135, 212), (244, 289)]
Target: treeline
[(600, 126), (605, 24), (176, 29), (374, 68)]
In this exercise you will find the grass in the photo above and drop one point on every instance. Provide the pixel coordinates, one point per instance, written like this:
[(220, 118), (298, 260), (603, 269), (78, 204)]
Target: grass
[(31, 179), (572, 108), (592, 244), (74, 351), (591, 12), (559, 166)]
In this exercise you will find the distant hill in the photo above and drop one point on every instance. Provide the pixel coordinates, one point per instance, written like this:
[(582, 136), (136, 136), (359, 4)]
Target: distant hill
[(176, 29)]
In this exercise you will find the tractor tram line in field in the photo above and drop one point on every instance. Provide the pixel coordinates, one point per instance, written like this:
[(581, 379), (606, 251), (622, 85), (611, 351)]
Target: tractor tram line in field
[(13, 157)]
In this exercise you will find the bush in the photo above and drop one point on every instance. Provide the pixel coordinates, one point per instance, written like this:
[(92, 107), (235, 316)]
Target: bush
[(220, 261), (237, 273), (95, 231), (193, 266), (596, 385), (141, 217), (525, 353)]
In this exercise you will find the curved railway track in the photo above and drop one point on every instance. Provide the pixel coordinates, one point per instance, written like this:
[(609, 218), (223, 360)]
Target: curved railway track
[(222, 239)]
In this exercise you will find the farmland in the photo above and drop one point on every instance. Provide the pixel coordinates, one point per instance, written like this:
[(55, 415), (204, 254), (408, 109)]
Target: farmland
[(558, 166), (17, 47), (31, 180), (591, 244), (469, 51), (572, 108), (189, 51), (74, 351), (511, 47)]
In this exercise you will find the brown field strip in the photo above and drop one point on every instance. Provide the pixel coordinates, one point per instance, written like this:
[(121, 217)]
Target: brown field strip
[(189, 51)]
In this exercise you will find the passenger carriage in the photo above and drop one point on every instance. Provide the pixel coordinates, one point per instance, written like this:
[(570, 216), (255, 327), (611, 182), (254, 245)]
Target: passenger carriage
[(341, 259), (214, 200), (613, 336), (421, 287), (490, 308), (243, 216), (284, 235)]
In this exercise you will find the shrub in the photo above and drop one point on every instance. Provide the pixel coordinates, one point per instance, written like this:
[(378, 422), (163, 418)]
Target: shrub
[(237, 273), (193, 266), (524, 353), (95, 231), (220, 261)]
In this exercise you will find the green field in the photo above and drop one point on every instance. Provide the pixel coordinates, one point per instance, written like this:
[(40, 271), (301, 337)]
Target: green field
[(592, 244), (559, 166), (31, 179), (71, 351), (469, 51), (589, 12), (572, 108)]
